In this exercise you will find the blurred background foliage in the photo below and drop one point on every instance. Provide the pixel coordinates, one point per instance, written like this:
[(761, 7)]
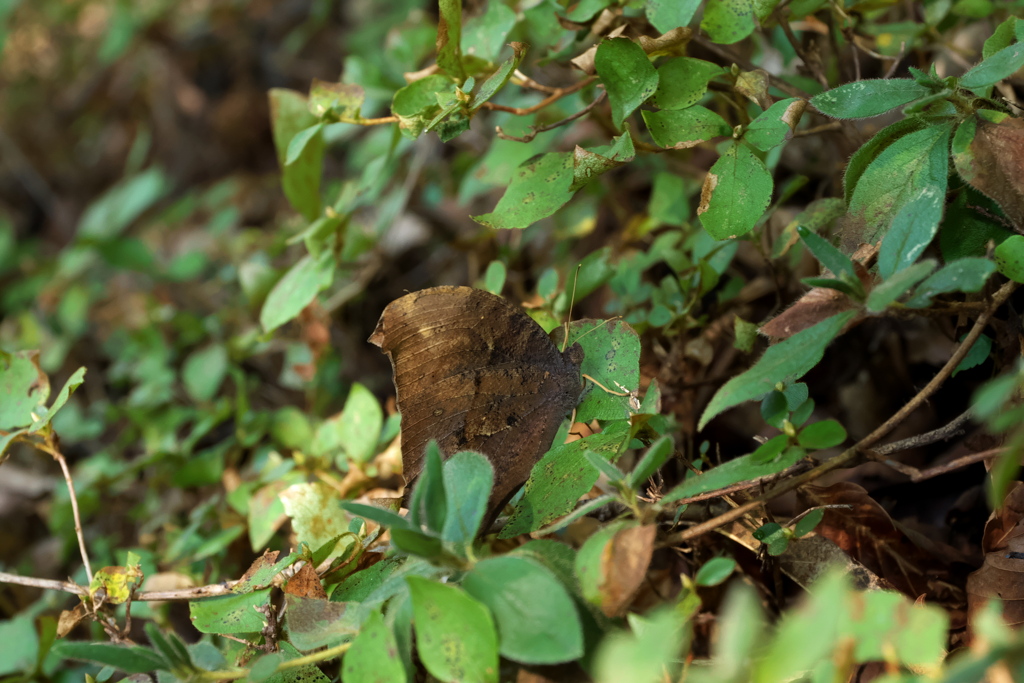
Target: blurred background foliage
[(143, 226)]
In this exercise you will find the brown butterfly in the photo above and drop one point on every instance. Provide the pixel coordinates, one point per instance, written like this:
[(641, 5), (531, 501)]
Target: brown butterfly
[(474, 372)]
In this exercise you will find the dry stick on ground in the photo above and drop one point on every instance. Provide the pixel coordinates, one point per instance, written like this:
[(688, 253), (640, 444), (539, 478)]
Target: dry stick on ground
[(849, 456)]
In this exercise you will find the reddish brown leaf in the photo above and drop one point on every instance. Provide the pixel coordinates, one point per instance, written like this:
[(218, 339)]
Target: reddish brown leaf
[(868, 534), (994, 164), (306, 584)]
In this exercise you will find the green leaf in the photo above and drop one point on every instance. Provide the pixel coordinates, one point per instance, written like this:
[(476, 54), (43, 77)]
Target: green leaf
[(449, 35), (601, 464), (203, 372), (116, 209), (735, 194), (230, 613), (300, 142), (899, 284), (728, 21), (1002, 64), (656, 455), (715, 571), (612, 357), (428, 504), (773, 536), (468, 478), (588, 164), (963, 275), (385, 518), (24, 387), (683, 128), (535, 616), (416, 105), (870, 150), (296, 290), (484, 35), (744, 468), (666, 15), (862, 99), (497, 80), (134, 659), (808, 522), (627, 74), (316, 516), (360, 424), (559, 479), (1002, 37), (455, 634), (914, 161), (824, 434), (912, 230), (651, 651), (776, 124), (494, 277), (1009, 257), (682, 81), (836, 261), (787, 361), (539, 187), (977, 354), (373, 657)]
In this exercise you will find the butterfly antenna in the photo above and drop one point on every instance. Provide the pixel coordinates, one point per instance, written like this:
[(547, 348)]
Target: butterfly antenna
[(572, 299)]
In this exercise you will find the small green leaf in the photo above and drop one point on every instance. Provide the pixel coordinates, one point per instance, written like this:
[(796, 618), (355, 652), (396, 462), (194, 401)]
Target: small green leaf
[(872, 97), (656, 455), (808, 522), (963, 275), (715, 571), (300, 142), (230, 613), (899, 284), (834, 260), (682, 81), (494, 277), (775, 124), (977, 354), (744, 468), (203, 372), (787, 361), (296, 290), (683, 128), (912, 230), (728, 21), (497, 80), (535, 615), (116, 209), (373, 657), (416, 105), (735, 193), (468, 478), (24, 387), (428, 504), (455, 634), (539, 187), (361, 421), (627, 74), (824, 434), (1009, 257), (1002, 64), (134, 659), (666, 15)]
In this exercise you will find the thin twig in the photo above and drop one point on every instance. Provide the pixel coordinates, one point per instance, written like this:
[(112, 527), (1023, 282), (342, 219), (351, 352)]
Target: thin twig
[(534, 132), (812, 64), (956, 464), (943, 433), (59, 457), (553, 97), (47, 584), (850, 455)]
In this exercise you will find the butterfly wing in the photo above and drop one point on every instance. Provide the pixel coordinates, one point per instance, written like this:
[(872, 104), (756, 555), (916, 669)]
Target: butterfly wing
[(474, 372)]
